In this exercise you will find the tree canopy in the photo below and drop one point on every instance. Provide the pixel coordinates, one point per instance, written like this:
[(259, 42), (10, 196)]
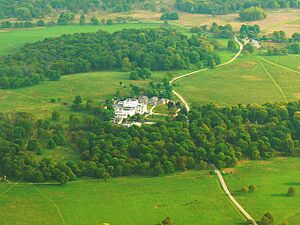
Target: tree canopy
[(230, 6), (155, 49)]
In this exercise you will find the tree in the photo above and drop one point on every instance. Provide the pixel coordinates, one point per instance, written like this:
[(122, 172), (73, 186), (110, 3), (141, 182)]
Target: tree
[(291, 192), (109, 22), (249, 222), (32, 145), (158, 170), (23, 13), (231, 45), (53, 75), (170, 16), (82, 20), (94, 21), (126, 65), (244, 190), (252, 14), (61, 177), (289, 145), (267, 219), (51, 144), (167, 221), (252, 188), (55, 116), (40, 23)]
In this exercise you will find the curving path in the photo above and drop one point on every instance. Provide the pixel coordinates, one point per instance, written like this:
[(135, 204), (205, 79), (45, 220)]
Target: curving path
[(220, 177), (186, 105), (227, 192)]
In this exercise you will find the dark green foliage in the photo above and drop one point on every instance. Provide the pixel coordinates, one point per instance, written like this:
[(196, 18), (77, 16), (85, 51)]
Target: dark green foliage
[(220, 31), (156, 49), (65, 18), (27, 9), (252, 14), (170, 16), (248, 48), (232, 46), (279, 36), (252, 188), (109, 22), (291, 192), (139, 73), (219, 135), (249, 31), (267, 219), (230, 6)]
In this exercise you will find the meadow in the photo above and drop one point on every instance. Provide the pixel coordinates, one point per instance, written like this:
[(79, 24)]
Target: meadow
[(249, 79), (272, 178), (13, 39), (192, 198), (37, 99)]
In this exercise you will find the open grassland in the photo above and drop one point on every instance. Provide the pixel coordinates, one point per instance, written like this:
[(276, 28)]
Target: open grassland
[(189, 198), (98, 86), (290, 61), (12, 39), (272, 178), (37, 99), (282, 19), (249, 79), (279, 19)]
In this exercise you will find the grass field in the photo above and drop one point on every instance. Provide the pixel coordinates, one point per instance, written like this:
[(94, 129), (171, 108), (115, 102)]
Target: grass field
[(96, 85), (272, 178), (248, 80), (37, 99), (12, 39), (188, 198)]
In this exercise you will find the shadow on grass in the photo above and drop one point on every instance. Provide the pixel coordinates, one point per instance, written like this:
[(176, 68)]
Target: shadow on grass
[(279, 195), (292, 184)]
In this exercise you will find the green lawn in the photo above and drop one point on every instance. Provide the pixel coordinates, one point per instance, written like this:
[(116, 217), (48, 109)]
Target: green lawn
[(290, 61), (189, 198), (247, 80), (272, 178), (36, 99), (12, 39)]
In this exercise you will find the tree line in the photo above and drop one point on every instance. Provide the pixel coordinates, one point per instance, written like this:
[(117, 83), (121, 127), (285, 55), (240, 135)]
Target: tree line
[(29, 9), (154, 49), (219, 135), (230, 6)]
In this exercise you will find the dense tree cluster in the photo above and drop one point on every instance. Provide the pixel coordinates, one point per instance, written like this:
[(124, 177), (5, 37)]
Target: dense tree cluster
[(28, 9), (218, 31), (252, 14), (250, 31), (221, 135), (225, 135), (155, 49), (170, 16), (230, 6)]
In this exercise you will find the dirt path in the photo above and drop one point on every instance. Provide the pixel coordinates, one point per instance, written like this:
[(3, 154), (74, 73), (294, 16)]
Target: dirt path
[(278, 65), (220, 177), (227, 192), (186, 105), (273, 80)]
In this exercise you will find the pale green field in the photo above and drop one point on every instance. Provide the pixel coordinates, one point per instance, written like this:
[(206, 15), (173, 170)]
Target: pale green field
[(247, 80), (188, 198), (36, 99), (272, 178)]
